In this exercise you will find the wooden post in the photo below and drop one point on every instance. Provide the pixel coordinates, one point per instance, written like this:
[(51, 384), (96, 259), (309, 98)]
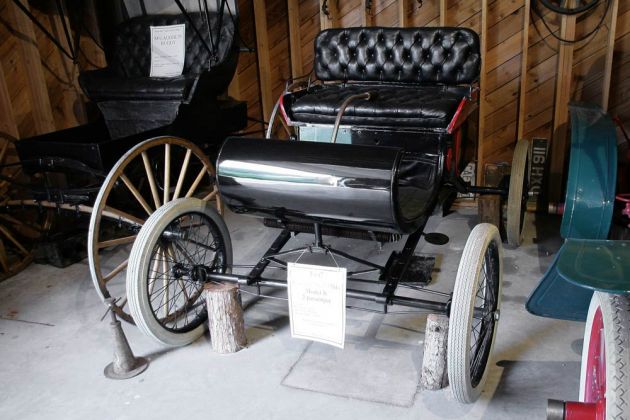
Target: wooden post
[(434, 368), (443, 15), (225, 318), (264, 65), (482, 92), (403, 13), (561, 108), (27, 42), (489, 207), (523, 85), (332, 20), (366, 13), (295, 39), (610, 49)]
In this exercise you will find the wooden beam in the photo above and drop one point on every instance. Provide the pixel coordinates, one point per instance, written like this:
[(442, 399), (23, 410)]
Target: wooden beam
[(561, 110), (610, 49), (264, 64), (367, 16), (404, 17), (332, 20), (482, 91), (8, 126), (295, 39), (32, 66), (443, 15), (522, 103)]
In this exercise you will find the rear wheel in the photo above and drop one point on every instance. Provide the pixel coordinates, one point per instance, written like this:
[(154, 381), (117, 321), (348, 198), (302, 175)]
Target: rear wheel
[(605, 373), (176, 248), (474, 312), (518, 193)]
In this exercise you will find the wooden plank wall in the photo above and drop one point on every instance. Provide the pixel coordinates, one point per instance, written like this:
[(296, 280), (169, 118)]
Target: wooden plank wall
[(521, 97), (41, 84)]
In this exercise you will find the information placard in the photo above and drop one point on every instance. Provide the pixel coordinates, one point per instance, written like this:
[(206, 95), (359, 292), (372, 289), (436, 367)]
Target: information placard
[(167, 50), (317, 303)]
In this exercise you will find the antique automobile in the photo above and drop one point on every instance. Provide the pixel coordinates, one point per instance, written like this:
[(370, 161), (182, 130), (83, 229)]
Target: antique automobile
[(372, 144)]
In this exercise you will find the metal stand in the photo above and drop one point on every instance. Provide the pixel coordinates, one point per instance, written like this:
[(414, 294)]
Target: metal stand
[(125, 364)]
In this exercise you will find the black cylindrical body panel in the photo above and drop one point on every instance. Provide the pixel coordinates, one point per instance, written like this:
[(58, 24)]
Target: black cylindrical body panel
[(335, 184)]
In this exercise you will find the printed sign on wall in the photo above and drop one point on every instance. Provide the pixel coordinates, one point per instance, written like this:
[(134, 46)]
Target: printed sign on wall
[(168, 44), (317, 303)]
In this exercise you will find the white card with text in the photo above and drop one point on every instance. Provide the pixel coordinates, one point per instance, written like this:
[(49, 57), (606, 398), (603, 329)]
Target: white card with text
[(317, 303), (168, 45)]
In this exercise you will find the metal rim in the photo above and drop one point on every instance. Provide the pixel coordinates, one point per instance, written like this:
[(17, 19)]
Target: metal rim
[(482, 326), (177, 272)]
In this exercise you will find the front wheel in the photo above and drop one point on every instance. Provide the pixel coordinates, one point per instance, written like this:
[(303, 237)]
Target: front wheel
[(605, 372), (474, 313), (177, 247)]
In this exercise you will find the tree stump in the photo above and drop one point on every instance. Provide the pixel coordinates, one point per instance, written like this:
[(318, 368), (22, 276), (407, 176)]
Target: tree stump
[(434, 368), (489, 207), (225, 318)]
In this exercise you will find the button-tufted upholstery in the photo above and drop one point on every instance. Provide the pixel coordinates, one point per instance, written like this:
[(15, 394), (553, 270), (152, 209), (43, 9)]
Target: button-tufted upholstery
[(421, 55), (394, 105), (131, 101), (128, 73), (419, 76)]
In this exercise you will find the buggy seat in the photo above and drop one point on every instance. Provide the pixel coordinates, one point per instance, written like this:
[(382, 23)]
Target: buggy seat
[(417, 77), (131, 101)]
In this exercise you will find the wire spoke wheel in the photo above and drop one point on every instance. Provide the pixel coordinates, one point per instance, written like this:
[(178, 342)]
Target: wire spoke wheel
[(150, 175), (518, 193), (474, 312), (179, 245)]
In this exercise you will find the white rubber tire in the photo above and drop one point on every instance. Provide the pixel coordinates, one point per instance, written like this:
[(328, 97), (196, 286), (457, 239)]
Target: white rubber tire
[(461, 313), (514, 228), (139, 261), (616, 318)]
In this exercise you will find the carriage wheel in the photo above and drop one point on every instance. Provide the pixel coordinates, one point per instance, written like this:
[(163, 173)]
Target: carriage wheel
[(168, 266), (16, 234), (518, 193), (149, 175), (605, 373), (474, 312)]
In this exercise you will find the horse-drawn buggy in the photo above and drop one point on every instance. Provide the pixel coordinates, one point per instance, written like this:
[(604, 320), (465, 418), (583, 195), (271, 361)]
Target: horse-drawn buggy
[(375, 145)]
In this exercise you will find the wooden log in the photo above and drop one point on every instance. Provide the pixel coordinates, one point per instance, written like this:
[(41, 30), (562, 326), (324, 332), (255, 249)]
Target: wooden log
[(225, 318), (490, 209), (434, 368)]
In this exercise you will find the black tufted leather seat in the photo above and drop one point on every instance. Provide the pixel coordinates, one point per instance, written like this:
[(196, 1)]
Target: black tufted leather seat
[(419, 75), (123, 90)]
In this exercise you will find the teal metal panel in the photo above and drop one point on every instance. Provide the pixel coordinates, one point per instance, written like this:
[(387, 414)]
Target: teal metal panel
[(592, 175), (563, 292), (597, 265), (554, 297)]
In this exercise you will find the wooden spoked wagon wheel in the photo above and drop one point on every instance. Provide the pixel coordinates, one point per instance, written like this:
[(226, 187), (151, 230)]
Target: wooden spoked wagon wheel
[(16, 234), (148, 176)]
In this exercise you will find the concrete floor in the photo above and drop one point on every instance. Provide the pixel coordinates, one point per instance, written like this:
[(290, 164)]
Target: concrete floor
[(53, 349)]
